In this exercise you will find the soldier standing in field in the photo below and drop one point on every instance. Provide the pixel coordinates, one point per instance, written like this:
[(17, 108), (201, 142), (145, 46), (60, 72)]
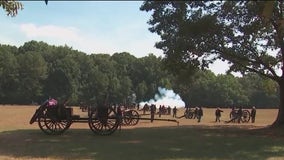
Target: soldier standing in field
[(195, 115), (152, 112), (199, 114), (175, 112), (252, 114), (119, 113), (169, 110), (239, 114), (218, 114)]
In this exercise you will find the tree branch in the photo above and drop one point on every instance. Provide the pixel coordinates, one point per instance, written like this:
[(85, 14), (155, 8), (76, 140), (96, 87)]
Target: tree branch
[(261, 61)]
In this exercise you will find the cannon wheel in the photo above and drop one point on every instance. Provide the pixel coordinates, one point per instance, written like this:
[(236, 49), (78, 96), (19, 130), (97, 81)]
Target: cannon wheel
[(52, 125), (127, 118), (103, 121), (131, 118), (188, 114), (245, 116)]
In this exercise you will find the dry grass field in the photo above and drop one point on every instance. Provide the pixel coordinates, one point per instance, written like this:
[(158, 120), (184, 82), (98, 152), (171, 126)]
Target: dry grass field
[(16, 131), (14, 117)]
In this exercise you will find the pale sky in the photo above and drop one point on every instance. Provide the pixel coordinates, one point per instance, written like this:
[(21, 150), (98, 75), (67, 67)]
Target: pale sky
[(87, 26)]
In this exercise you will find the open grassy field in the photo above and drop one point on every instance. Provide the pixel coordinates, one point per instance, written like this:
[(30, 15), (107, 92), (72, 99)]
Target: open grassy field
[(146, 141)]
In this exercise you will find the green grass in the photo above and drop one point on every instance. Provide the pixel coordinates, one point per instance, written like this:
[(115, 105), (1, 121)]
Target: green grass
[(169, 143)]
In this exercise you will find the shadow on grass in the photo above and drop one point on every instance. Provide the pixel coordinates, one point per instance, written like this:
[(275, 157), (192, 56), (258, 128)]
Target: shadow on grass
[(163, 143)]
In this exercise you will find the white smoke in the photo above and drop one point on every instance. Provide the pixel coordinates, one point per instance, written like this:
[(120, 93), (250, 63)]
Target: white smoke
[(165, 97)]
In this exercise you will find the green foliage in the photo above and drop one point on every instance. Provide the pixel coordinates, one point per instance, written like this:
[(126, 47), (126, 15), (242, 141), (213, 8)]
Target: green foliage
[(9, 74), (32, 71), (249, 35), (36, 71), (206, 89), (11, 7), (197, 33), (260, 90)]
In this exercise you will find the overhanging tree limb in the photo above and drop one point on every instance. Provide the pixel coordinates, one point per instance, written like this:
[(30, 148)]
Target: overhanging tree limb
[(236, 25)]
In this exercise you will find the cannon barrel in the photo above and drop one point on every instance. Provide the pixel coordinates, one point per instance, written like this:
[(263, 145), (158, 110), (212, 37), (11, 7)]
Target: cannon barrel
[(157, 119)]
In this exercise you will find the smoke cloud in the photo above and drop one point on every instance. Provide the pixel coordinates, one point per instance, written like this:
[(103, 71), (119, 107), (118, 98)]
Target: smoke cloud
[(165, 97)]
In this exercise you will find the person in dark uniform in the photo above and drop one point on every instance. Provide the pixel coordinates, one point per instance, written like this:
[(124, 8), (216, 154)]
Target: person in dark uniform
[(239, 114), (169, 110), (175, 112), (252, 114), (199, 114), (152, 112), (195, 115), (218, 114), (160, 111), (119, 113)]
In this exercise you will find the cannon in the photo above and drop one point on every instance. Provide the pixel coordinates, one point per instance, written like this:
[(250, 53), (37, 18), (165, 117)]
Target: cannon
[(245, 117), (188, 114), (55, 119), (132, 117)]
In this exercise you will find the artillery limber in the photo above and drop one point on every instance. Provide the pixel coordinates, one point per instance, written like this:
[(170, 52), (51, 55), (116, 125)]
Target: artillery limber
[(54, 119)]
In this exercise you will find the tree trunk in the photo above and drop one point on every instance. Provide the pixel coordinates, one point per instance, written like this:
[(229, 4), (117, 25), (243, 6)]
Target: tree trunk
[(279, 122)]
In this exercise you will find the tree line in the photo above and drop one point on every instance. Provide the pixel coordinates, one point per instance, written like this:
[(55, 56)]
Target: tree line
[(36, 71)]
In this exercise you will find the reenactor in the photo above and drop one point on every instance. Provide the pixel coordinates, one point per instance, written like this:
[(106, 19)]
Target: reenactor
[(175, 112), (218, 114), (199, 114), (152, 112), (252, 114), (239, 114)]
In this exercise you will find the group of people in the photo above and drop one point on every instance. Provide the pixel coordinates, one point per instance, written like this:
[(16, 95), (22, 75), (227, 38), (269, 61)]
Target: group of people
[(161, 108), (197, 113), (235, 115)]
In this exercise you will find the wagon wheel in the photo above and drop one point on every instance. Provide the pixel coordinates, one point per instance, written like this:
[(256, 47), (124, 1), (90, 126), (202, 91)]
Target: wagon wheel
[(42, 125), (188, 114), (134, 115), (127, 118), (124, 121), (52, 124), (103, 121), (245, 116), (131, 118)]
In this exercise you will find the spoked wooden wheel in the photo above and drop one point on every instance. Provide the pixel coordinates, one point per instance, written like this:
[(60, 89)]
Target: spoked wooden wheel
[(131, 117), (127, 118), (43, 126), (103, 121), (245, 116), (188, 114), (52, 124)]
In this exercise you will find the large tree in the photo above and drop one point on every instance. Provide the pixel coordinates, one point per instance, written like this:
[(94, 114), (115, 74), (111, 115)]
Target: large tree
[(246, 34)]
